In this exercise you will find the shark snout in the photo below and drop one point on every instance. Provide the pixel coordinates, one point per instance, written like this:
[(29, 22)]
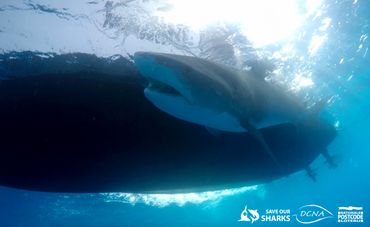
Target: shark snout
[(141, 56)]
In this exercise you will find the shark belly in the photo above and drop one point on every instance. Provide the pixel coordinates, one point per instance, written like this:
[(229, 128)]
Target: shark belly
[(177, 106), (180, 108)]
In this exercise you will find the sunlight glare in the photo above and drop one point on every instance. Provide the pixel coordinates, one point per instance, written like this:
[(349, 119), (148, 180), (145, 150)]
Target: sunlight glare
[(162, 200), (300, 81), (262, 21), (316, 43)]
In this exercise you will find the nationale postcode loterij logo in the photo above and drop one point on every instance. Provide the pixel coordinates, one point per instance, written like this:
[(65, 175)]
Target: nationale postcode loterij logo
[(350, 214)]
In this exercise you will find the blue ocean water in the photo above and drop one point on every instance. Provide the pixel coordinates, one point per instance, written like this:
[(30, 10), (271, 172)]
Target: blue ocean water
[(327, 56)]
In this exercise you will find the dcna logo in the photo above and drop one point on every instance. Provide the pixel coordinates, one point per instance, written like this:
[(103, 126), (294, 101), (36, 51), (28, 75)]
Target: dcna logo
[(312, 213), (248, 215)]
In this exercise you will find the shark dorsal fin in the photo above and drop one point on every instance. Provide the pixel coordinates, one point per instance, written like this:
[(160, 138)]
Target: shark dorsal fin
[(260, 68), (319, 105)]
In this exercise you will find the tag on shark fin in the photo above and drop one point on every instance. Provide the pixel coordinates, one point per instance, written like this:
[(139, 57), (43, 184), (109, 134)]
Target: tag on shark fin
[(212, 131), (259, 137)]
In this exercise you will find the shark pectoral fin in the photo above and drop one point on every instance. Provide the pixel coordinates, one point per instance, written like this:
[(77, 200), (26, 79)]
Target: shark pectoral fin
[(213, 131), (329, 159), (259, 137), (311, 173)]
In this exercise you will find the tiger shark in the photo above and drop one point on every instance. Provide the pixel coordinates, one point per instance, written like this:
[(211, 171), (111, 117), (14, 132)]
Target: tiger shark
[(90, 128), (215, 95)]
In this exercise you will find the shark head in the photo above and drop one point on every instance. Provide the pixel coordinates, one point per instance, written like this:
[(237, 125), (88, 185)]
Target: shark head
[(165, 75), (182, 87)]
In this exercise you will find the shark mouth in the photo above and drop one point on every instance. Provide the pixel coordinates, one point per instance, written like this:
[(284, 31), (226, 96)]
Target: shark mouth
[(157, 86), (169, 91)]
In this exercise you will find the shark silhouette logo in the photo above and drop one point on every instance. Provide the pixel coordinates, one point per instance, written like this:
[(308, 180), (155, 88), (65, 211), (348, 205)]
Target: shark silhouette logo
[(249, 215)]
